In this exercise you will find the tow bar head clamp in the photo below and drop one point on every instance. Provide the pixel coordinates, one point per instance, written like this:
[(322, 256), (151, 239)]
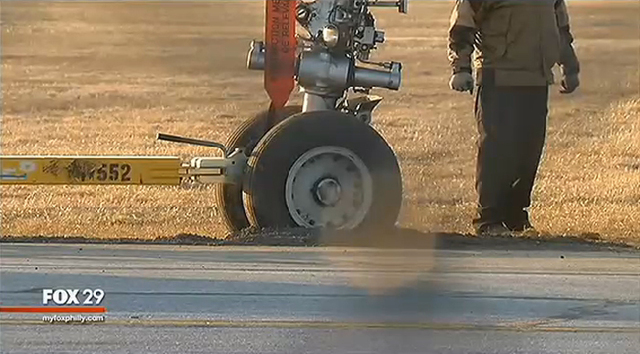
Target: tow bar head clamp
[(337, 39), (209, 170)]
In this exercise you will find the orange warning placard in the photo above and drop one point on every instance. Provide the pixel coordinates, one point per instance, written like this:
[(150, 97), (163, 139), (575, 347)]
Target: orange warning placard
[(280, 50)]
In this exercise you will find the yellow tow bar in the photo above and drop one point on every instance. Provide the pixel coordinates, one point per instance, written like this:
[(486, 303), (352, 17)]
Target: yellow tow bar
[(125, 170), (120, 170), (128, 170)]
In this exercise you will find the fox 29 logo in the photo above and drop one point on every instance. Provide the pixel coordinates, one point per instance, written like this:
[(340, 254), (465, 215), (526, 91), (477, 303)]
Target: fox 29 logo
[(72, 296)]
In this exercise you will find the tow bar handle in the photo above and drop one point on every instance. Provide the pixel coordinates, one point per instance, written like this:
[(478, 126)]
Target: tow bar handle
[(190, 141)]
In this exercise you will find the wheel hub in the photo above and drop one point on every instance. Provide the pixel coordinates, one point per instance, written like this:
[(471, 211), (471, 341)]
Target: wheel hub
[(328, 192), (329, 187)]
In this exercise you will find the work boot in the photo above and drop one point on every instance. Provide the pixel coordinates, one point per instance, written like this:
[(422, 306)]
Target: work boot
[(518, 221), (523, 228), (498, 229), (526, 229), (520, 226)]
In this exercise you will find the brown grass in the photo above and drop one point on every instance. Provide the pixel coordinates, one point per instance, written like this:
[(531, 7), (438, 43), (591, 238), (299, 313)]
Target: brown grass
[(103, 78)]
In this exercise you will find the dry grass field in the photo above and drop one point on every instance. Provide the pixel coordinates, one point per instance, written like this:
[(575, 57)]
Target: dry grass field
[(104, 78)]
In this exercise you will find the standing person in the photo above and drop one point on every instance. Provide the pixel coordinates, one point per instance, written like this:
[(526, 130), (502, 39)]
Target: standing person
[(517, 43)]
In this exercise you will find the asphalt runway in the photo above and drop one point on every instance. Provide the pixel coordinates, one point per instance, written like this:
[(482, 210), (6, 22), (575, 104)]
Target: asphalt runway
[(198, 299)]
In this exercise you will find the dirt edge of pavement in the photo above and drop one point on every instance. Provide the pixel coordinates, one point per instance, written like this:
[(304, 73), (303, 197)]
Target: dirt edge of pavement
[(397, 238)]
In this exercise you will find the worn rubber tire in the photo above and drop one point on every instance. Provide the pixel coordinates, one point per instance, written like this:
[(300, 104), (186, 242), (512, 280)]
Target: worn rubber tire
[(272, 158), (228, 197)]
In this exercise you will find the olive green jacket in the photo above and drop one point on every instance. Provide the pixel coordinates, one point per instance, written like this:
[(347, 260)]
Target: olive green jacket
[(516, 42)]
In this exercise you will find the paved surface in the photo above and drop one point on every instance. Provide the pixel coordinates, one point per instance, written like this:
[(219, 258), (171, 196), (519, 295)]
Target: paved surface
[(172, 299)]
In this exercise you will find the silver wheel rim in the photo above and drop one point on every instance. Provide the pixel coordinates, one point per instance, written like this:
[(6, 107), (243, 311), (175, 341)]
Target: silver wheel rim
[(329, 186)]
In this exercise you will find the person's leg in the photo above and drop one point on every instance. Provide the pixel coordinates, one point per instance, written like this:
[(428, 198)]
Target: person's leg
[(497, 160), (532, 105)]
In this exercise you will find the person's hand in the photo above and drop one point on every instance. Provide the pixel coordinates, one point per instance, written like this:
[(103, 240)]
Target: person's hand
[(462, 81), (569, 83)]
